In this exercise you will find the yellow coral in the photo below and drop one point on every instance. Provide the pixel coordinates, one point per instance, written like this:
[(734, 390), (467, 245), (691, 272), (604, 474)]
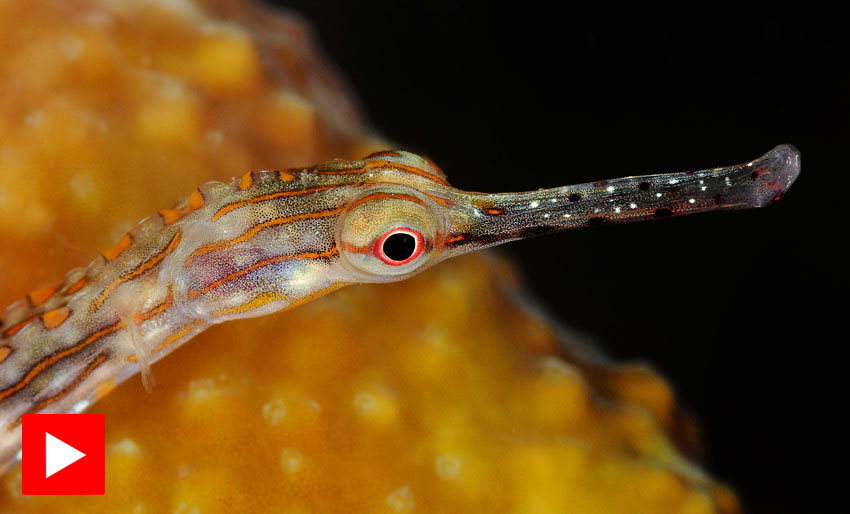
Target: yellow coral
[(438, 394)]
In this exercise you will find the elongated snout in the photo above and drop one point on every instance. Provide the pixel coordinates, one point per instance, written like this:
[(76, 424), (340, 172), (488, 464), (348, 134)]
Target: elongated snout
[(482, 220)]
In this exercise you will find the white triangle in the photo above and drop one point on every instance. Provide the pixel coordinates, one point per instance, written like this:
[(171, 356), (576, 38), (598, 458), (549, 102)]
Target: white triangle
[(58, 454)]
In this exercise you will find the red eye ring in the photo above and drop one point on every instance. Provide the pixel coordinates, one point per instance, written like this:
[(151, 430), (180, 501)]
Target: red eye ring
[(417, 249)]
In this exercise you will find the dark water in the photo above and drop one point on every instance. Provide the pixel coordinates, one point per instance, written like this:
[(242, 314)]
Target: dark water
[(744, 312)]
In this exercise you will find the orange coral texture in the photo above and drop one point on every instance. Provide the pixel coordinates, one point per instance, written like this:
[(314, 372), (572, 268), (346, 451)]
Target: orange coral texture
[(438, 394)]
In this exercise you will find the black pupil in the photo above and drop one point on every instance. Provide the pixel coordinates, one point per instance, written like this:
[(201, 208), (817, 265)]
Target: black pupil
[(399, 246)]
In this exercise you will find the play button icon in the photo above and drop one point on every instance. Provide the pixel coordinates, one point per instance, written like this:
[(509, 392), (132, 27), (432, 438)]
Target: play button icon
[(58, 454), (63, 454)]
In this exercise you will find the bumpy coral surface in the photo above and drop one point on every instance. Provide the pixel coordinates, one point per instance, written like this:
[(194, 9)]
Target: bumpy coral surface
[(438, 394)]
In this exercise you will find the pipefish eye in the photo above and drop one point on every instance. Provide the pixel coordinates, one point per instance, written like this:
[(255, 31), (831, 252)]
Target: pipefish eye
[(399, 246), (387, 233)]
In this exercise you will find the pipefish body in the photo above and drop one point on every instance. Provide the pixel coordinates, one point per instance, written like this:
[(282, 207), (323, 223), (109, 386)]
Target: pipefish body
[(273, 240)]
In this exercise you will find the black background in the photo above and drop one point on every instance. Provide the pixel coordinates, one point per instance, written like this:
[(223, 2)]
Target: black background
[(739, 310)]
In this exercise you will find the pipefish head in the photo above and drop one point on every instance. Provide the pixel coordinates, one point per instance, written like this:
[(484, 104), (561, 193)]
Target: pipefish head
[(411, 218)]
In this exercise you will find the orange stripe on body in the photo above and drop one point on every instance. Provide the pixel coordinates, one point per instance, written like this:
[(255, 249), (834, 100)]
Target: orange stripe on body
[(135, 272), (246, 180), (286, 177), (171, 215), (256, 230), (177, 335), (381, 196), (56, 357), (350, 248), (54, 318), (345, 171), (408, 169), (385, 153), (77, 286), (159, 309), (38, 296), (441, 201), (296, 303), (116, 250), (196, 200), (315, 295), (235, 205), (67, 389), (4, 352), (381, 164), (102, 389), (259, 264), (14, 329), (171, 339), (258, 301)]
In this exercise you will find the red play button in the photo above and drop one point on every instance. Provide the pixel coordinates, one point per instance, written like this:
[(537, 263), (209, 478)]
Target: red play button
[(63, 454)]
